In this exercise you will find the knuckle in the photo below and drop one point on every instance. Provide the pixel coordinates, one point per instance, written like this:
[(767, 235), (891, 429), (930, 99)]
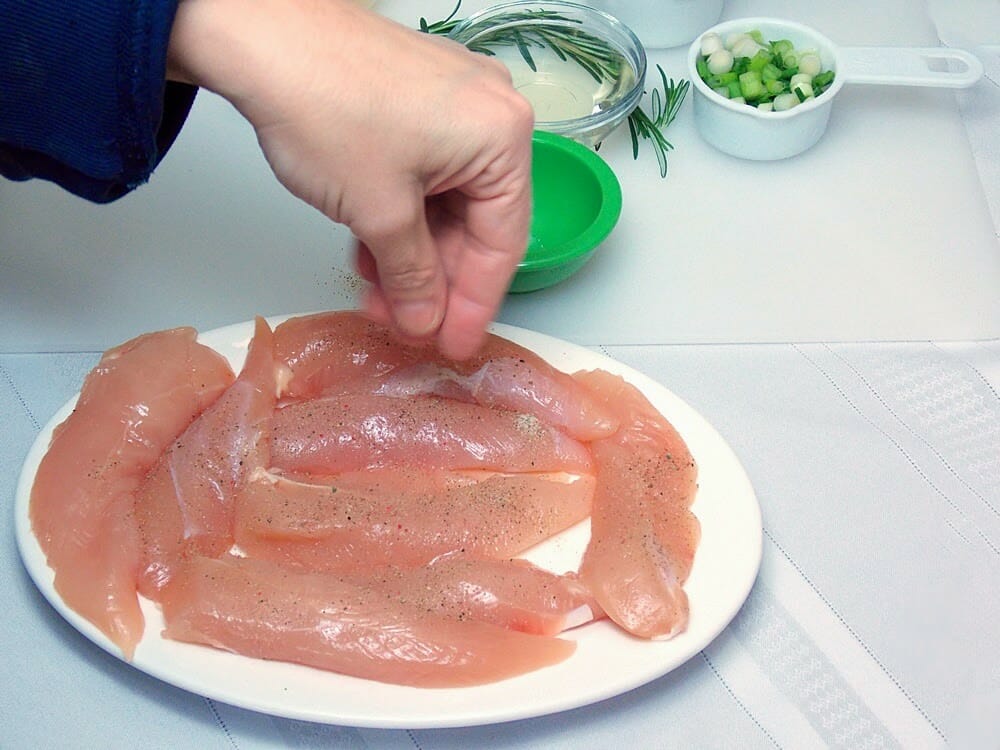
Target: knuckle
[(522, 114), (408, 280), (506, 107), (392, 220), (497, 68)]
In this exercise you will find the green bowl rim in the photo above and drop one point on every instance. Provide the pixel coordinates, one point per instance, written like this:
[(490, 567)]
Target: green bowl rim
[(607, 217)]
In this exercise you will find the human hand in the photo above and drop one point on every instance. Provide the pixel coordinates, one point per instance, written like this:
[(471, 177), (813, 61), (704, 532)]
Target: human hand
[(422, 148)]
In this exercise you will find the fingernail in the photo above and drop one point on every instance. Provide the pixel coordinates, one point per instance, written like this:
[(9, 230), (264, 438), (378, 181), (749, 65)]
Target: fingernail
[(418, 318)]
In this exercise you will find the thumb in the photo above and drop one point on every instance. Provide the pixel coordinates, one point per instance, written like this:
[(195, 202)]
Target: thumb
[(410, 280)]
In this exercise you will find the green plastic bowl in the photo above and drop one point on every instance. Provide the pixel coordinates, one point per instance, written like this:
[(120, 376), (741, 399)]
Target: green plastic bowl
[(577, 202)]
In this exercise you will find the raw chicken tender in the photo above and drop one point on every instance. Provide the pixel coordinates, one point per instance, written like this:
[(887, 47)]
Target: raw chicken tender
[(507, 382), (185, 506), (512, 593), (404, 517), (363, 430), (328, 353), (261, 610), (140, 396), (643, 533)]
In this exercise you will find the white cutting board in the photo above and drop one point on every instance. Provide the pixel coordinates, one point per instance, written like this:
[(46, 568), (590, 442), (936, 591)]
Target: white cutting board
[(881, 232)]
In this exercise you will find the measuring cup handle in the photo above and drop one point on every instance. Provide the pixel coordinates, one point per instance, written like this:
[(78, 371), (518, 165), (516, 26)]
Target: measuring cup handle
[(908, 66)]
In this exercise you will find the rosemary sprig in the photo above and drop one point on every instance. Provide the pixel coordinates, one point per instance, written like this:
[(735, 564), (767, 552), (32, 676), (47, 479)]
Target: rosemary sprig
[(664, 108), (590, 53), (442, 27), (593, 55)]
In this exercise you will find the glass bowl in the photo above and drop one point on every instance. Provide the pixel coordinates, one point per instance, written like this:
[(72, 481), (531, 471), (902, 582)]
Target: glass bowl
[(582, 70)]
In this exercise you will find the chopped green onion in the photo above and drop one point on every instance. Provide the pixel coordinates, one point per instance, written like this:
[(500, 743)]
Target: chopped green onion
[(759, 61), (710, 43), (822, 80), (785, 101), (720, 61), (771, 72), (781, 46), (810, 63), (747, 68), (702, 66), (751, 86)]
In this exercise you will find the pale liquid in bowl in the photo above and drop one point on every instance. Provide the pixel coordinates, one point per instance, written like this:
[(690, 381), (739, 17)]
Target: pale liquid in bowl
[(561, 89)]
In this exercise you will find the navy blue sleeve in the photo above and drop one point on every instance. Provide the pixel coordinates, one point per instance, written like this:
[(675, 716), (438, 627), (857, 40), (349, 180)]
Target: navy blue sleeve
[(84, 100)]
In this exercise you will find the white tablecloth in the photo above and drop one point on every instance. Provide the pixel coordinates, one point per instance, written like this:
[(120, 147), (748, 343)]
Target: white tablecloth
[(873, 623)]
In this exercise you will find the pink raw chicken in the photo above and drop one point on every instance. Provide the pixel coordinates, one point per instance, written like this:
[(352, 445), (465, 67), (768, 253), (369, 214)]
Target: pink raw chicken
[(512, 593), (406, 516), (139, 397), (378, 521), (330, 623), (329, 353), (364, 430), (185, 506), (643, 534)]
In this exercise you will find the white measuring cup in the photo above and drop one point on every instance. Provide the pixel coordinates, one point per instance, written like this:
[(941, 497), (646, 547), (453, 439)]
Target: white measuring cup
[(748, 133)]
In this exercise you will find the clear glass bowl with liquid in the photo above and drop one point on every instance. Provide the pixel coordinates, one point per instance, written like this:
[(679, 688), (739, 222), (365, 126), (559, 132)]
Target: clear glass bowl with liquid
[(582, 70)]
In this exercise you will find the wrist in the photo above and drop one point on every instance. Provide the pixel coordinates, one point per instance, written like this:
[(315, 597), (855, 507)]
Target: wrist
[(239, 49)]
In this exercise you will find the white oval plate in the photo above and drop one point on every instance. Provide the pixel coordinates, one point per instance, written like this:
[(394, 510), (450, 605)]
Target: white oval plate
[(607, 661)]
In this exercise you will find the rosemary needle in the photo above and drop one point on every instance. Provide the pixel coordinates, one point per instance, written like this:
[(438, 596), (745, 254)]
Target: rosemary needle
[(595, 56)]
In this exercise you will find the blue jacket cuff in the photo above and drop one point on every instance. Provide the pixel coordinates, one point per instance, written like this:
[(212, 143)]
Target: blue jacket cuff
[(84, 100)]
